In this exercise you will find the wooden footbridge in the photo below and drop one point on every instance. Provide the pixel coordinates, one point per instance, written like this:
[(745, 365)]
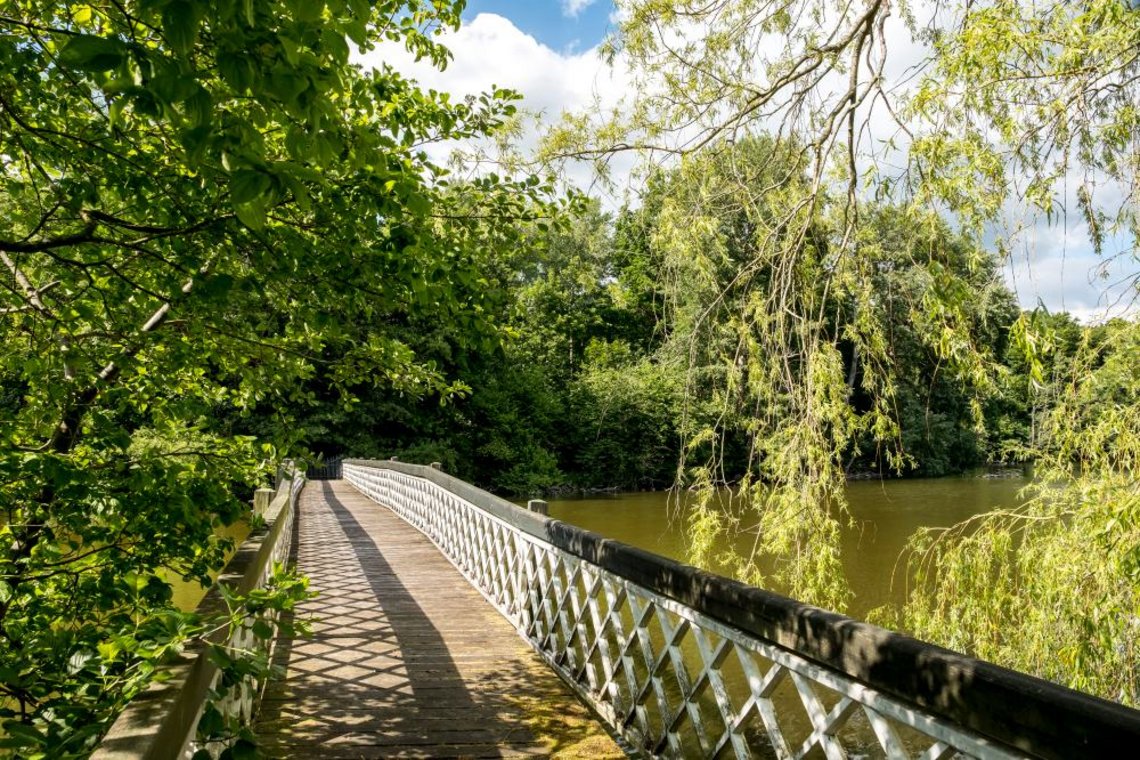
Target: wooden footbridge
[(406, 658), (450, 623)]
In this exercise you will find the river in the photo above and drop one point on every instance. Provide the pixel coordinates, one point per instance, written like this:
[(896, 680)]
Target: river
[(885, 513)]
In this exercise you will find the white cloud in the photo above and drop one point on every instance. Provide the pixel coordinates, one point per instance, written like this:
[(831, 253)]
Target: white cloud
[(491, 50), (1056, 265), (572, 8)]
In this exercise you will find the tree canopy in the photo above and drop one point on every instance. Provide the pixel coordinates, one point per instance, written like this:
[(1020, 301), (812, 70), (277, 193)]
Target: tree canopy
[(205, 205)]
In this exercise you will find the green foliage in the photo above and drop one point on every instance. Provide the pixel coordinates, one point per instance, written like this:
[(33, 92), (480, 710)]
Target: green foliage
[(211, 219), (945, 421), (984, 135), (547, 411), (92, 673), (797, 363), (1051, 588), (264, 613), (626, 413)]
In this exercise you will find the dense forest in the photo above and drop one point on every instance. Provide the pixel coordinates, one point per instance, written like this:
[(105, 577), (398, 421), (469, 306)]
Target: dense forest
[(587, 389), (225, 243)]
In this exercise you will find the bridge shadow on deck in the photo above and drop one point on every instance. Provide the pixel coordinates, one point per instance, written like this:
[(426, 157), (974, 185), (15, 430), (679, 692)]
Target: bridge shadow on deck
[(406, 659)]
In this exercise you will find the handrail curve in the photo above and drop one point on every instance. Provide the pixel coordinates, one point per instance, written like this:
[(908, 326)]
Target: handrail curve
[(684, 663)]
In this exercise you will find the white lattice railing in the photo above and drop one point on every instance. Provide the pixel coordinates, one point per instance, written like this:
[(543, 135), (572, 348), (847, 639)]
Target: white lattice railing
[(682, 663)]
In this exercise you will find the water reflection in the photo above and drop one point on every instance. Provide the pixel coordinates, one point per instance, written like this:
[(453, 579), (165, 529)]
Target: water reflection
[(884, 515)]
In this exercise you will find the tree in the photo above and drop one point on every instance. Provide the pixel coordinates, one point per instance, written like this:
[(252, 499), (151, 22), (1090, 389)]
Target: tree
[(945, 423), (204, 205), (1006, 105), (626, 412), (733, 284), (746, 301), (1052, 586)]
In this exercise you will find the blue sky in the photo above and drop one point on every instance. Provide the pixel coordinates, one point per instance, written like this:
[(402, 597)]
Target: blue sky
[(562, 25)]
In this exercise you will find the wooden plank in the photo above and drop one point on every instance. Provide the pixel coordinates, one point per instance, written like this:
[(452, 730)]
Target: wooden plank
[(406, 658)]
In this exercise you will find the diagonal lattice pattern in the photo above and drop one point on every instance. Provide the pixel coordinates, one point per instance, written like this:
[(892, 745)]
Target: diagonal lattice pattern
[(406, 659), (672, 681)]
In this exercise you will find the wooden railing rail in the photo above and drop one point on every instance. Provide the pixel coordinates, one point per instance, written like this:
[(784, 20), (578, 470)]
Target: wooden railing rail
[(685, 663), (162, 722)]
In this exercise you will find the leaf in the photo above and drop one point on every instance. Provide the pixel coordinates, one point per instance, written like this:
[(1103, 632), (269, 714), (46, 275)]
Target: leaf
[(180, 25), (243, 749), (79, 660), (145, 103), (252, 215), (211, 723), (236, 70), (109, 650), (336, 45), (21, 735), (88, 52), (173, 87), (217, 287), (308, 11), (200, 107), (298, 171), (247, 185), (115, 111), (286, 85), (194, 142)]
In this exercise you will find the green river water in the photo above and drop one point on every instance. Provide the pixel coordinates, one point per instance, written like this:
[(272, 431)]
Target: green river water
[(885, 513)]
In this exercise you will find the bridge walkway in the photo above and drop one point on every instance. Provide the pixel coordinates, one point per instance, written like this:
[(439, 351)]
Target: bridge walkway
[(406, 658)]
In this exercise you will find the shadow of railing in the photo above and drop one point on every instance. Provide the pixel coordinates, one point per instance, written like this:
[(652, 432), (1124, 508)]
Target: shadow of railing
[(378, 672)]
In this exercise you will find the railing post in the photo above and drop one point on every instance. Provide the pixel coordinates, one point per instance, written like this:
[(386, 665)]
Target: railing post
[(539, 506), (261, 499), (437, 466)]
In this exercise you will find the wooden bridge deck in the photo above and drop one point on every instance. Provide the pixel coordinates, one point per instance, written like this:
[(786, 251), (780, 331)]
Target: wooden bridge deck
[(407, 659)]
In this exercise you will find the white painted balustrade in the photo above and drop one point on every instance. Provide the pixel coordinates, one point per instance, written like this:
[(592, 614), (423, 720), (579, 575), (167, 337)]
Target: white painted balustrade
[(677, 681)]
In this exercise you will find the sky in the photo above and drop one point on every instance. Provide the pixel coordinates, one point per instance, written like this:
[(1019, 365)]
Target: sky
[(562, 25), (547, 50)]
